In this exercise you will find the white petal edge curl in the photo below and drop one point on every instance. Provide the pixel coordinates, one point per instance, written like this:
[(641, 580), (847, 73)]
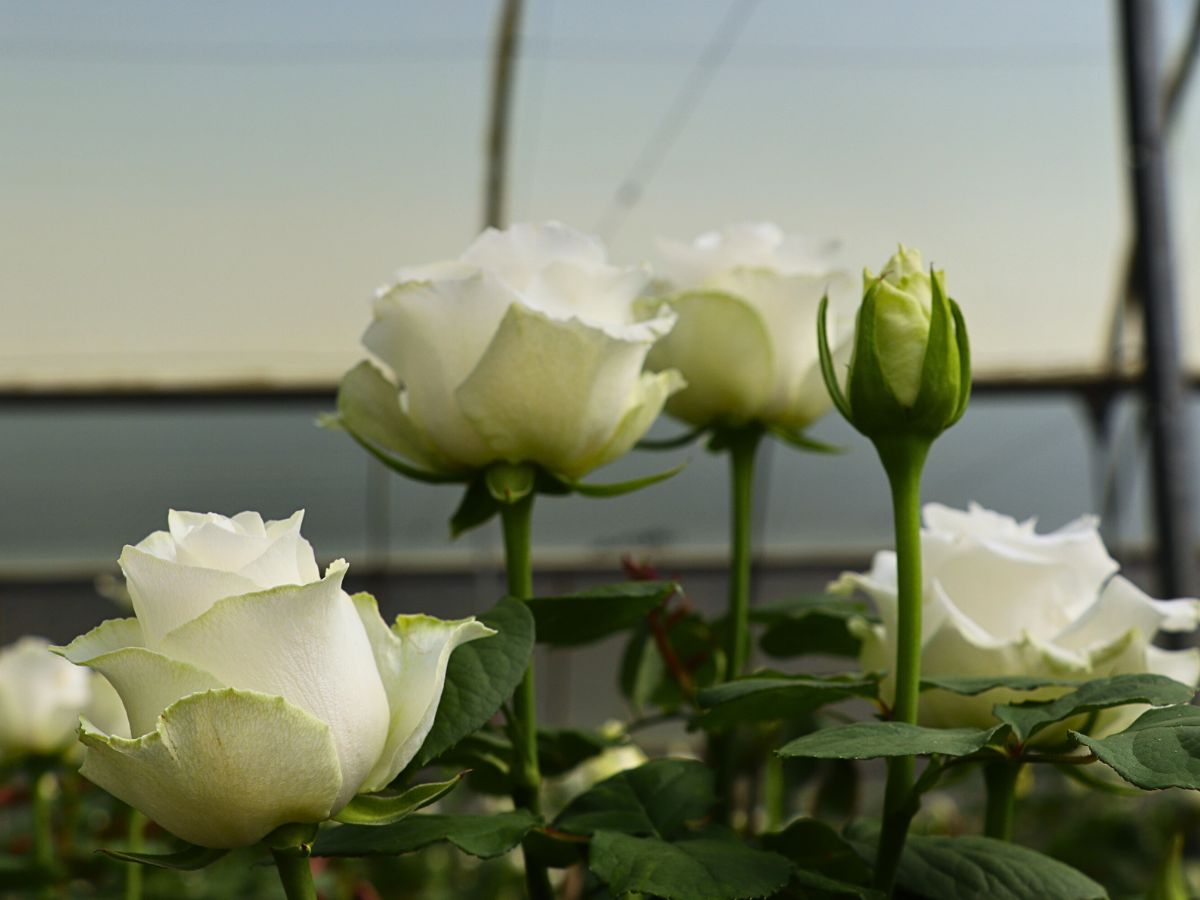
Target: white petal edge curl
[(223, 768), (307, 645), (147, 682), (551, 392), (1123, 605), (518, 253), (375, 410), (649, 397), (432, 335), (167, 594), (723, 348), (412, 657)]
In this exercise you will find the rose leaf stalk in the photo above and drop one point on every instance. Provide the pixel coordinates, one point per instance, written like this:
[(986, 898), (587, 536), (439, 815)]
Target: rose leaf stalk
[(1000, 780), (909, 380), (512, 486)]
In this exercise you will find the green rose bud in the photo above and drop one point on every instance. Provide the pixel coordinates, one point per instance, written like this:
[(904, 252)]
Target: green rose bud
[(910, 373)]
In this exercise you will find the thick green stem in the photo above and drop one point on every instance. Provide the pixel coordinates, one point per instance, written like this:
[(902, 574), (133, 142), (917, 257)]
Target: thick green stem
[(774, 793), (42, 800), (517, 521), (903, 459), (1000, 778), (743, 447), (45, 786), (295, 873), (133, 874)]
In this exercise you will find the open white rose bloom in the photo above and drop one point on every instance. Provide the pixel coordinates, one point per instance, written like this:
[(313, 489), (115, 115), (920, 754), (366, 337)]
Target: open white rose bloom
[(1001, 599), (525, 349), (746, 339), (42, 697), (259, 693)]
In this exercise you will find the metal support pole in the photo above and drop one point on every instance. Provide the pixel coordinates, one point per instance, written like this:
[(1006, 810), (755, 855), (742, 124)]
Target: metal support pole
[(1163, 382), (503, 74)]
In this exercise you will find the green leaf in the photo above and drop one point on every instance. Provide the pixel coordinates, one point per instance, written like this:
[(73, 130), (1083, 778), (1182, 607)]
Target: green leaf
[(1160, 750), (188, 859), (809, 625), (616, 489), (815, 886), (656, 798), (970, 868), (964, 362), (680, 440), (480, 678), (828, 373), (711, 866), (386, 807), (771, 696), (369, 412), (476, 507), (815, 847), (481, 836), (801, 441), (871, 740), (587, 616), (1030, 717), (970, 685), (562, 749), (489, 755)]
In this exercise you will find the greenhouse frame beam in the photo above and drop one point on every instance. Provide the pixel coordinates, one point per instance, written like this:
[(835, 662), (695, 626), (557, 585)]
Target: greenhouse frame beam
[(1163, 380)]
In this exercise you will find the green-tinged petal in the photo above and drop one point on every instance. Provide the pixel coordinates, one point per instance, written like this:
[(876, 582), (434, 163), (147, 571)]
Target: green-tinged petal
[(166, 594), (432, 334), (371, 408), (411, 657), (721, 346), (652, 391), (223, 768), (149, 682), (109, 635), (902, 330), (549, 391), (305, 644)]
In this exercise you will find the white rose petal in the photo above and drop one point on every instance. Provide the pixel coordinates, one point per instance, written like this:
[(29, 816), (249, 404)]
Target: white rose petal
[(746, 343), (526, 349), (265, 705), (1002, 600)]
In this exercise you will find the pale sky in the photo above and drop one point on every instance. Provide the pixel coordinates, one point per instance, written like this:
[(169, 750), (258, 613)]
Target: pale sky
[(212, 191)]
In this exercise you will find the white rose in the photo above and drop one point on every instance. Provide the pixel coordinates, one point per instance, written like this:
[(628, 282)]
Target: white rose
[(41, 699), (258, 693), (746, 338), (1001, 599), (525, 349)]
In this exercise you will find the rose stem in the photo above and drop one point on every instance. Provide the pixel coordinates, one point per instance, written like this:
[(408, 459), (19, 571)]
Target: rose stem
[(903, 460), (44, 786), (295, 873), (133, 874), (1000, 778), (517, 525), (743, 447)]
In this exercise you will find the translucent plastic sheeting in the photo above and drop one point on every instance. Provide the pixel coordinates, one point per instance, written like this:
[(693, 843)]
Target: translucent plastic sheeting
[(204, 199)]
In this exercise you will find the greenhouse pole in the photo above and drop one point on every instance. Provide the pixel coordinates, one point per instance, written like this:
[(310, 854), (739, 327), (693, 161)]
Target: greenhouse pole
[(504, 61), (1163, 382)]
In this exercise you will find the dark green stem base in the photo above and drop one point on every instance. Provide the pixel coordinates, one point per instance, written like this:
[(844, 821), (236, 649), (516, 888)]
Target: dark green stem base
[(517, 524)]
